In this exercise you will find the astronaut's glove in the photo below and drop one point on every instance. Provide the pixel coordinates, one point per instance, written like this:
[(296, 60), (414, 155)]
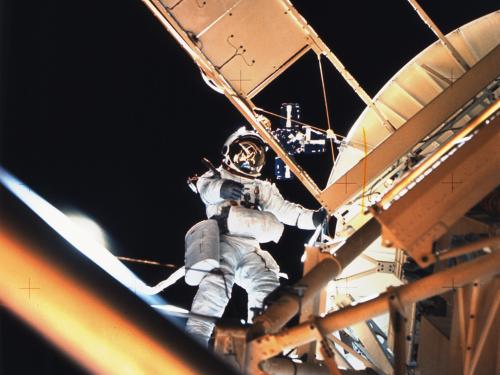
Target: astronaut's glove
[(319, 216), (231, 190)]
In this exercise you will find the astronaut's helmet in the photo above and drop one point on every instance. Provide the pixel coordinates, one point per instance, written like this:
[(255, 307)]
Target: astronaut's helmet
[(244, 152)]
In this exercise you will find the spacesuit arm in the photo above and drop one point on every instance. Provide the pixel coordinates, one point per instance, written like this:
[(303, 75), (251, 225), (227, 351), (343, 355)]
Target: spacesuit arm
[(209, 188), (287, 212)]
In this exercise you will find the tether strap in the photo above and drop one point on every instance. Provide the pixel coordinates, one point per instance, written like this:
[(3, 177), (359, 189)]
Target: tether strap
[(326, 106)]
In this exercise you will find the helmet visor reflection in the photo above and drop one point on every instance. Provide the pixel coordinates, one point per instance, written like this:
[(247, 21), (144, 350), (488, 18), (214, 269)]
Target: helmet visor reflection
[(247, 156)]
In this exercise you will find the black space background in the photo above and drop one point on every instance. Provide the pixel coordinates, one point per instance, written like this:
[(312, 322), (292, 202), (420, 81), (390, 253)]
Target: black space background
[(103, 112)]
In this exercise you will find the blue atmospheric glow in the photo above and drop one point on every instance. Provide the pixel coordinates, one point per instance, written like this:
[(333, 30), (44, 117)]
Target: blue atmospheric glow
[(70, 231)]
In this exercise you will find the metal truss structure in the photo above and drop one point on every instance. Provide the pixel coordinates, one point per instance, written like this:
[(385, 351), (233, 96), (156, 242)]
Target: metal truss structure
[(407, 241), (424, 129)]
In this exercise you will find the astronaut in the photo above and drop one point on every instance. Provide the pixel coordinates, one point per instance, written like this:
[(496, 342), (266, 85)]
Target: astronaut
[(248, 211)]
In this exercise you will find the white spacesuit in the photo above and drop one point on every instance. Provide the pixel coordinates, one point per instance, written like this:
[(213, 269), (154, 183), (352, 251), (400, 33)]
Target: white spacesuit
[(249, 211)]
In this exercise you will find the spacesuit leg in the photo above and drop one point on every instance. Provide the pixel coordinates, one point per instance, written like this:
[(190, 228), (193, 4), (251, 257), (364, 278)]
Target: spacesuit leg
[(258, 275), (213, 295)]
